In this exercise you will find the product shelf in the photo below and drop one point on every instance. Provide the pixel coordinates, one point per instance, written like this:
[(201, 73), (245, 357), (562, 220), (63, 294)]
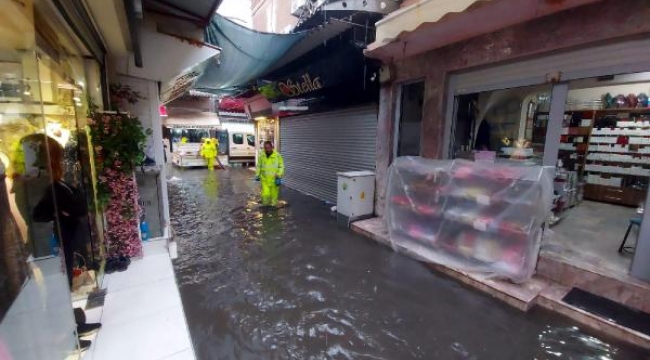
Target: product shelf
[(475, 216)]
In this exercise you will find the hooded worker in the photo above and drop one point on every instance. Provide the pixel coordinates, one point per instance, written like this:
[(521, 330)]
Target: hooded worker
[(270, 170), (209, 152)]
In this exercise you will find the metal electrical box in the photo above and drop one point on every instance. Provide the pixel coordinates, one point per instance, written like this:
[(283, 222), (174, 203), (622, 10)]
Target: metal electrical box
[(356, 194)]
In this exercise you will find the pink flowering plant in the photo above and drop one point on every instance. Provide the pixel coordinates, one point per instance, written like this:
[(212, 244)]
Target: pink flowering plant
[(119, 142)]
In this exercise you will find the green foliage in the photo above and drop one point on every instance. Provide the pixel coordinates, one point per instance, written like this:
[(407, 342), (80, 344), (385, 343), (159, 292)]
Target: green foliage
[(119, 142), (270, 91)]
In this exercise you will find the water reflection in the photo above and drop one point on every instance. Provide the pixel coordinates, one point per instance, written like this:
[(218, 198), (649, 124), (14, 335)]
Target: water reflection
[(290, 284)]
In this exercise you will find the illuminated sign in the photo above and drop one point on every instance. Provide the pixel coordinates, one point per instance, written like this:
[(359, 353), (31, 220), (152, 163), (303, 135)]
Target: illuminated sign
[(303, 86)]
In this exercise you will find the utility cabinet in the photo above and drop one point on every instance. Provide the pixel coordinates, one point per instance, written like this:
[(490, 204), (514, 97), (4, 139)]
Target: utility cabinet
[(356, 194)]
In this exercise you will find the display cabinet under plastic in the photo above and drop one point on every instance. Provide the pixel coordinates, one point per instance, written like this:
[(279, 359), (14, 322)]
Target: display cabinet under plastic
[(472, 216)]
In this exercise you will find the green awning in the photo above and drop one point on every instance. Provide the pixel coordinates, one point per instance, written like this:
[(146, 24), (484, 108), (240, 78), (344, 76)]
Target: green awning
[(248, 54)]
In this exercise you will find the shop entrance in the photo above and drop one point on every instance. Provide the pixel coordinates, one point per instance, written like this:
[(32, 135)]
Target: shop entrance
[(603, 171), (596, 132)]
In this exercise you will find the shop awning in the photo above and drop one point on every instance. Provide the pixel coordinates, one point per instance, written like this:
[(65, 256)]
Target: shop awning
[(197, 11), (193, 121), (248, 54), (431, 24)]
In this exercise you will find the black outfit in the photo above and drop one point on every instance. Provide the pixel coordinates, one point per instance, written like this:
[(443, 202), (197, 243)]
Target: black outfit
[(483, 136), (13, 266), (66, 204)]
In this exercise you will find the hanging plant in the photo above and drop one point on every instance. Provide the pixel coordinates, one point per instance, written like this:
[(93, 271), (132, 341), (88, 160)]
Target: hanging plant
[(121, 95), (119, 142)]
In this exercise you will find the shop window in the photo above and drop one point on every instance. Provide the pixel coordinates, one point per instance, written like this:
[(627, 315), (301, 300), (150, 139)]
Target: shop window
[(410, 120), (238, 139), (45, 168), (251, 140), (509, 124)]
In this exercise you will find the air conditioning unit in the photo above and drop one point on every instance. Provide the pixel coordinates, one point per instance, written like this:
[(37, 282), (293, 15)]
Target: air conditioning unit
[(297, 6)]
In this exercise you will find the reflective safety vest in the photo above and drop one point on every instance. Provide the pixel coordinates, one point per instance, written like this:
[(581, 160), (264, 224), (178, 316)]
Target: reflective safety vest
[(270, 166), (209, 149)]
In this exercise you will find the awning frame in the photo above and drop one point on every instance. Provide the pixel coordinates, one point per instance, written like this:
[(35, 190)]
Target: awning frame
[(479, 17)]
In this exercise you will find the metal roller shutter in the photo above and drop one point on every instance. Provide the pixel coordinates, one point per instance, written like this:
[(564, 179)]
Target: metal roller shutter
[(317, 146)]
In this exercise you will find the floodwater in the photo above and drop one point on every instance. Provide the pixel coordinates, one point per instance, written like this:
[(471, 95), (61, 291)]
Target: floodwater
[(292, 284)]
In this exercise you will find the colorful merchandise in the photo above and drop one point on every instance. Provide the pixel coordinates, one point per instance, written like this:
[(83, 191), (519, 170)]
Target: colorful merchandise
[(472, 216)]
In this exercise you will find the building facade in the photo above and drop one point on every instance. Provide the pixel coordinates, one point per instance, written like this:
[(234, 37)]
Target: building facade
[(273, 16), (535, 86)]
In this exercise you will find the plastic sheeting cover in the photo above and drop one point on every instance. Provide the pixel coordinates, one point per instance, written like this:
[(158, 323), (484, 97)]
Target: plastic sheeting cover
[(472, 216)]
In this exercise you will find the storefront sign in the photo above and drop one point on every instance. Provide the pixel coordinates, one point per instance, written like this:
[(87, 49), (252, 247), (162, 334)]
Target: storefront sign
[(305, 85), (344, 65)]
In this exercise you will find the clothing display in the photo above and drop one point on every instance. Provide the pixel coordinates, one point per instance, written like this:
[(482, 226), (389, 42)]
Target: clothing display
[(470, 216), (66, 215)]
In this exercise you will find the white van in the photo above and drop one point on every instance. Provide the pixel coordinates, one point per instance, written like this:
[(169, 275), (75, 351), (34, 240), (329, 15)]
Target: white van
[(236, 146), (242, 145)]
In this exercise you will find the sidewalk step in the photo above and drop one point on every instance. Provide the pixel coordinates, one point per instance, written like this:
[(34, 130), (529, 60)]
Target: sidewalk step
[(551, 299), (620, 288), (624, 315)]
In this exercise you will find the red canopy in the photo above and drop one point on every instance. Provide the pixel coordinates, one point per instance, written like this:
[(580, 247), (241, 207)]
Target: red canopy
[(232, 104)]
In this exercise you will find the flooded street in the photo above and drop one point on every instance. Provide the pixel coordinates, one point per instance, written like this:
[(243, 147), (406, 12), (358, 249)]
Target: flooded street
[(292, 284)]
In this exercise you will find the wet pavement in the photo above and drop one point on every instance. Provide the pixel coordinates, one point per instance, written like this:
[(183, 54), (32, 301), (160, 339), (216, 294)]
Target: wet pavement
[(292, 284)]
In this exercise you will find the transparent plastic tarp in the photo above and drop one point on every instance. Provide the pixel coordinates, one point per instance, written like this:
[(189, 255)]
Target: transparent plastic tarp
[(471, 216)]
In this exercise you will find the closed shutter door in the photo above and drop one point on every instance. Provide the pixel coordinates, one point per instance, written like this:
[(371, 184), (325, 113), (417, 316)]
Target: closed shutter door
[(317, 146), (612, 59)]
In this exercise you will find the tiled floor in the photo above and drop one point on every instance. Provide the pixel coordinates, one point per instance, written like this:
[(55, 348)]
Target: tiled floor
[(590, 234), (142, 317)]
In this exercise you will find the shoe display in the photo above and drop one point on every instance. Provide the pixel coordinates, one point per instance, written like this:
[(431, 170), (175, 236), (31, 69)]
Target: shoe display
[(88, 329), (111, 265), (79, 316), (119, 264), (84, 345), (123, 263)]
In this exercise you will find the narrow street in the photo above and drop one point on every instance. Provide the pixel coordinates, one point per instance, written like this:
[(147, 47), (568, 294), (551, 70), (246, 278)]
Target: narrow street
[(291, 283)]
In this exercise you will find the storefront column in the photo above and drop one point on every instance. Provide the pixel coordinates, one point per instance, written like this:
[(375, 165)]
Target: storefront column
[(384, 144), (433, 125), (554, 129)]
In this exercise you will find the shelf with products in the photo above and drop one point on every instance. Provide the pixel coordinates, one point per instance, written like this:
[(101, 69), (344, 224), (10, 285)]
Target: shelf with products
[(479, 249), (618, 156), (461, 244), (487, 202)]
